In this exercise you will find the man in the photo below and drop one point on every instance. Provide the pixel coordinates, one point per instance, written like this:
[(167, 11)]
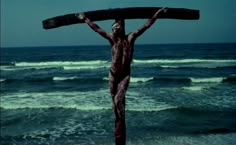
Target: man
[(119, 76)]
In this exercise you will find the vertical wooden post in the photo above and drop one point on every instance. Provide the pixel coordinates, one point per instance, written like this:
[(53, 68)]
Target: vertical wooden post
[(119, 110)]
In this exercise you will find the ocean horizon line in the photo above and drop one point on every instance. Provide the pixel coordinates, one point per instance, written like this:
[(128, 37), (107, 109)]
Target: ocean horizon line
[(107, 45)]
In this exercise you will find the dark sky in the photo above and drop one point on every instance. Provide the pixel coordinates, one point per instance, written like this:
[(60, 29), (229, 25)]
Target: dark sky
[(21, 22)]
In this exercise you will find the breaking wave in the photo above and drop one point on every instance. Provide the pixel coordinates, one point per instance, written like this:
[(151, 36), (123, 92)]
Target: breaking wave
[(174, 61), (60, 63), (87, 101), (97, 64)]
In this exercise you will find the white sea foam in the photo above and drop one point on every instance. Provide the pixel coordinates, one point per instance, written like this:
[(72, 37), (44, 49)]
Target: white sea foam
[(87, 101), (61, 63), (2, 67), (97, 64), (168, 61), (208, 80), (156, 108), (82, 67), (105, 63), (145, 103), (105, 78), (11, 68), (193, 88), (64, 78), (66, 65), (168, 66), (2, 80), (136, 80), (92, 108), (198, 65), (35, 106), (90, 100)]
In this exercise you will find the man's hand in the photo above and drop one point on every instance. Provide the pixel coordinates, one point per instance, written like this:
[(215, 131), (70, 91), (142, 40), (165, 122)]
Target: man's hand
[(80, 16), (164, 10)]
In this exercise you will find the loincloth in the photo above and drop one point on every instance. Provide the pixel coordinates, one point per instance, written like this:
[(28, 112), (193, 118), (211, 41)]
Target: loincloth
[(119, 76)]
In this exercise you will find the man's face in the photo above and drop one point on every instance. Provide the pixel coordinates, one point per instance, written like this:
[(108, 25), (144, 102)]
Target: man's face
[(116, 28)]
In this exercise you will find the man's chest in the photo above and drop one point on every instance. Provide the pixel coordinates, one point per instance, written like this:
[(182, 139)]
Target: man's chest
[(121, 45)]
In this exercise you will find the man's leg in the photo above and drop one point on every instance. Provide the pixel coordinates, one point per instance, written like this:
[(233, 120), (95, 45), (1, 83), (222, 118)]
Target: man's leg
[(113, 88), (119, 104)]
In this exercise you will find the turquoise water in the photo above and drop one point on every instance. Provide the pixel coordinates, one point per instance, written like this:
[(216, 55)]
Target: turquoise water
[(178, 95)]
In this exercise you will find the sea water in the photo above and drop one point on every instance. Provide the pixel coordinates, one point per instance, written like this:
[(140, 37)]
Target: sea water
[(179, 94)]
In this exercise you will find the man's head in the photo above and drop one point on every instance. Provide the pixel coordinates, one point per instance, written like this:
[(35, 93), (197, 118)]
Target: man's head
[(118, 27)]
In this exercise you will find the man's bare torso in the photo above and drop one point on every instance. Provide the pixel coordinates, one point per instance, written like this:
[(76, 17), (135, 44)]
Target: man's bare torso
[(122, 53)]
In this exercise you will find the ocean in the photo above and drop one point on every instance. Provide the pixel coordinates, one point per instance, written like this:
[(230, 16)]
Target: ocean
[(179, 94)]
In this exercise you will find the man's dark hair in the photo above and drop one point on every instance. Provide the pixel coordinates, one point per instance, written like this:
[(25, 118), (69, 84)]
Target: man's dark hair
[(121, 22)]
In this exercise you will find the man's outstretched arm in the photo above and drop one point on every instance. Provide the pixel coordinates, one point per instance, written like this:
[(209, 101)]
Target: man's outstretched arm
[(94, 26), (151, 21)]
